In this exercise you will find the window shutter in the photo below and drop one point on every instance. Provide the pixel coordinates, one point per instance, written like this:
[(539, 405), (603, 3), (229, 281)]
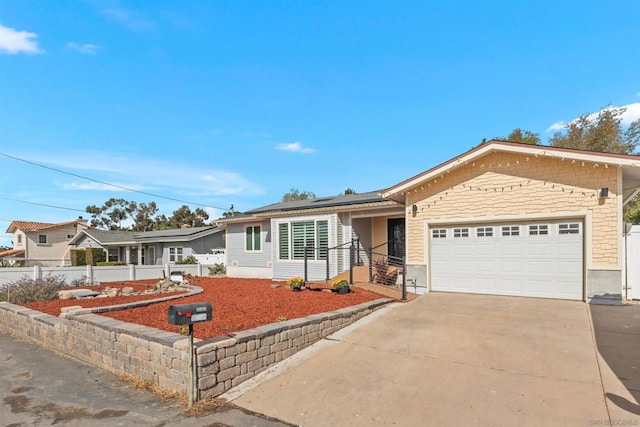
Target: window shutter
[(256, 238), (283, 239), (322, 239)]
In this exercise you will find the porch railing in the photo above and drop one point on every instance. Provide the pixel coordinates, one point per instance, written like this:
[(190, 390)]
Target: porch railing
[(383, 268)]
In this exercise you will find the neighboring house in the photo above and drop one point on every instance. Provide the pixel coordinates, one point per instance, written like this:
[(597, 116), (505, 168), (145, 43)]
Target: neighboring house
[(269, 242), (152, 247), (41, 244), (503, 218)]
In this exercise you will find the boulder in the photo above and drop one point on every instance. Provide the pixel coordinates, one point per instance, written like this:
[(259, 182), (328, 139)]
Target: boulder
[(65, 295), (127, 290), (112, 292)]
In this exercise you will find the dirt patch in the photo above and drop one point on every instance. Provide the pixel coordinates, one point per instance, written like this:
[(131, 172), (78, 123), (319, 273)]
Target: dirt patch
[(238, 304)]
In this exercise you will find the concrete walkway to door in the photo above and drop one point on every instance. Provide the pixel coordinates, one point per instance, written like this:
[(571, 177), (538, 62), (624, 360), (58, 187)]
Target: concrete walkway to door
[(449, 359)]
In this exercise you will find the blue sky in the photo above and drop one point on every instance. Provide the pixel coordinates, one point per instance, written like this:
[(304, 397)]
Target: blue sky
[(236, 102)]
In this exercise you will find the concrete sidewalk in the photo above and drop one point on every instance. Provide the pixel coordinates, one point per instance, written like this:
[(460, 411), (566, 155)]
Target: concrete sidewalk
[(41, 388), (450, 359)]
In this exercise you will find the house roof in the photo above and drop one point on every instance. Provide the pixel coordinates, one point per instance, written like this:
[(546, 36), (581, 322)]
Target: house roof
[(12, 253), (105, 237), (117, 237), (341, 202), (37, 226), (177, 234), (630, 164)]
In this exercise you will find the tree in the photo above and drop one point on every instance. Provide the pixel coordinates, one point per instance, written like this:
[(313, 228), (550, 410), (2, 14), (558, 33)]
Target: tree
[(600, 131), (111, 215), (183, 216), (349, 190), (144, 216), (295, 194), (524, 136)]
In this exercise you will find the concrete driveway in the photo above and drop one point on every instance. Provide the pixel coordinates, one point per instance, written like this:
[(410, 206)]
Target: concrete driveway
[(457, 359)]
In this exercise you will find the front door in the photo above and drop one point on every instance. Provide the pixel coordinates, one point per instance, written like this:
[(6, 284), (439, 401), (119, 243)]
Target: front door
[(395, 237)]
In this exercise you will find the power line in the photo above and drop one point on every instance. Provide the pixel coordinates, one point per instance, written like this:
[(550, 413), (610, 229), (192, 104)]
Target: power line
[(109, 184), (43, 204)]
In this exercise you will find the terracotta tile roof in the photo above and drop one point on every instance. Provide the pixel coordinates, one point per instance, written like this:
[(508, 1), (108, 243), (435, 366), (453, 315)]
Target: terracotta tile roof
[(11, 252), (32, 226)]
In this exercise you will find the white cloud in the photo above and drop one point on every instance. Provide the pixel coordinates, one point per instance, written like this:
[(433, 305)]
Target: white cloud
[(133, 172), (13, 41), (295, 147), (557, 126), (631, 113), (87, 48)]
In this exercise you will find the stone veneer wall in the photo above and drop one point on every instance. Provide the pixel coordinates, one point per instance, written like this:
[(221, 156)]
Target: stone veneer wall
[(162, 357)]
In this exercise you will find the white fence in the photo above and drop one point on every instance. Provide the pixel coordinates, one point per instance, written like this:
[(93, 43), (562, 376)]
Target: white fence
[(218, 256), (101, 274)]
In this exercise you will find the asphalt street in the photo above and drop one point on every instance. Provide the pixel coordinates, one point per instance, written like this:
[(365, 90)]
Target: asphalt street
[(42, 388)]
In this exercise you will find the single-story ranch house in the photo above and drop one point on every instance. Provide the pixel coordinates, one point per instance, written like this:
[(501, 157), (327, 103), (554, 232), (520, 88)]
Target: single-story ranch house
[(503, 218), (151, 247)]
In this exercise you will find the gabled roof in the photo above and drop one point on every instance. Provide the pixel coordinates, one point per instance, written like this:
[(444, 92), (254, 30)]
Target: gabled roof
[(105, 237), (630, 164), (37, 226), (343, 202), (118, 237)]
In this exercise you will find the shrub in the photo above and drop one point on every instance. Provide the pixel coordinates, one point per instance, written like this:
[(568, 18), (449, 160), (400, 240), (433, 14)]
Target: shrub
[(340, 283), (110, 263), (83, 281), (188, 260), (217, 270), (25, 290)]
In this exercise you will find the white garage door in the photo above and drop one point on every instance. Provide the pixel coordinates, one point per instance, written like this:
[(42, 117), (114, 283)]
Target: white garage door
[(535, 259)]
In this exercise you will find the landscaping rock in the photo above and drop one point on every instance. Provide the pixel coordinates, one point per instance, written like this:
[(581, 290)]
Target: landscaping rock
[(112, 292), (127, 290), (65, 295)]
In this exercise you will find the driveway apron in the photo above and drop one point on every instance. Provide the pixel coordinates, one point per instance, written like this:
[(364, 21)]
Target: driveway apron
[(446, 359)]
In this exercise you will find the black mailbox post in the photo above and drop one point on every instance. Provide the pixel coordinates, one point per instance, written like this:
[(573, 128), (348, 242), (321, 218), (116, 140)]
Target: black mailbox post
[(188, 314)]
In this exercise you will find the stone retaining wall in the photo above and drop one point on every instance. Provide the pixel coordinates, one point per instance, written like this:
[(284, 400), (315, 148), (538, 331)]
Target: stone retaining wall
[(161, 357)]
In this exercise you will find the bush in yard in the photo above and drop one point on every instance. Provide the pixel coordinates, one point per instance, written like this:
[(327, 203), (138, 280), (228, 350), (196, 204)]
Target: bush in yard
[(25, 290), (188, 260), (217, 270)]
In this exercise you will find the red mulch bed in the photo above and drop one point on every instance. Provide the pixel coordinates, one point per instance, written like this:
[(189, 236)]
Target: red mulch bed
[(238, 304)]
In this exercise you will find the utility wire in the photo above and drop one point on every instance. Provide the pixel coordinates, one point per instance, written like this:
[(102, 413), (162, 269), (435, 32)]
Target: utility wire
[(108, 183), (43, 204)]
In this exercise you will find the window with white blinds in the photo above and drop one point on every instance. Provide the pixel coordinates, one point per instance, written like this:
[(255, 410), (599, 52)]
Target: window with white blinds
[(293, 237)]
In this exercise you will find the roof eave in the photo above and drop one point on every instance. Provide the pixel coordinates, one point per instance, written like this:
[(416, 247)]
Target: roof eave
[(621, 160)]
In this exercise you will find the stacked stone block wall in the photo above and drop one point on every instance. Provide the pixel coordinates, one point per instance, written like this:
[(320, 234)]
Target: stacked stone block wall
[(162, 357)]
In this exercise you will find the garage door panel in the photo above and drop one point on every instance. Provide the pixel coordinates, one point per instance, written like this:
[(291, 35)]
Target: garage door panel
[(528, 259)]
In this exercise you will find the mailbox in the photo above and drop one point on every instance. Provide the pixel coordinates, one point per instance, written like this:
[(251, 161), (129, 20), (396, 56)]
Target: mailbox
[(186, 314)]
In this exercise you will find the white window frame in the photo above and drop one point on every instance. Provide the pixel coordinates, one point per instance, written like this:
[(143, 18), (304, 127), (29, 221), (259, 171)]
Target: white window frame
[(439, 233), (510, 230), (176, 253), (484, 232), (567, 228), (538, 230), (461, 232), (254, 234)]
